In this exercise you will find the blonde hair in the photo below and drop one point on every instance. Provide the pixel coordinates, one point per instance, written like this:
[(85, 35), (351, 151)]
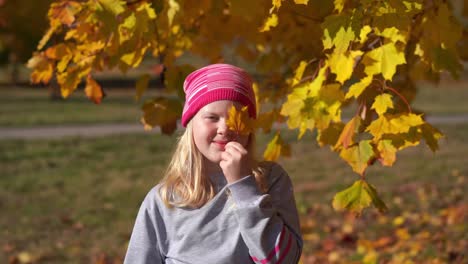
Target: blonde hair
[(184, 183)]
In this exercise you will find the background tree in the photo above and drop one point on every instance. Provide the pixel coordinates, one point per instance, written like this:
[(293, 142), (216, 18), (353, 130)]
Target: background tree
[(311, 59), (22, 24)]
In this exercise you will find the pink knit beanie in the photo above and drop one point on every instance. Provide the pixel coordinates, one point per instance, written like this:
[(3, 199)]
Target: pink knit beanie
[(217, 82)]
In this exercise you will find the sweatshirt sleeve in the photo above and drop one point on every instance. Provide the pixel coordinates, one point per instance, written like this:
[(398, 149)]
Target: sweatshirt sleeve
[(143, 247), (269, 223)]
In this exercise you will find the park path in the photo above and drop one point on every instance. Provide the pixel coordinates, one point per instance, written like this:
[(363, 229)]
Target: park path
[(96, 130)]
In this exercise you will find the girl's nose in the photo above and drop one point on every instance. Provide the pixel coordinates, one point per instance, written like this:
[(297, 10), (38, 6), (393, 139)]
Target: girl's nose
[(223, 127)]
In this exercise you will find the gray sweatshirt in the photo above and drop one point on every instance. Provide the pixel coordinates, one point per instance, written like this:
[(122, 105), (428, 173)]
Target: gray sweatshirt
[(239, 225)]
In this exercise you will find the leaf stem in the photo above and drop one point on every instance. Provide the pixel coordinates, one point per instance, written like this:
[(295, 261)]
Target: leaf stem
[(385, 86)]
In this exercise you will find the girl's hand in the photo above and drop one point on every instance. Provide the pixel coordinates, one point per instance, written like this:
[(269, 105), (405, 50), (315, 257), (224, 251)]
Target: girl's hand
[(235, 162)]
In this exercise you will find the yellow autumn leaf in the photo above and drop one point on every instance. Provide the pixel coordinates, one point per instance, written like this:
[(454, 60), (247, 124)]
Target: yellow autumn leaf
[(358, 197), (384, 60), (299, 73), (276, 4), (135, 57), (162, 112), (296, 102), (63, 12), (174, 7), (330, 135), (293, 106), (240, 121), (42, 69), (342, 39), (365, 30), (270, 22), (47, 36), (315, 85), (339, 4), (358, 156), (57, 52), (342, 64), (431, 136), (402, 123), (357, 88), (93, 90), (70, 79), (276, 148), (327, 42), (301, 2), (116, 7), (379, 127), (393, 34), (382, 102), (349, 131), (387, 152)]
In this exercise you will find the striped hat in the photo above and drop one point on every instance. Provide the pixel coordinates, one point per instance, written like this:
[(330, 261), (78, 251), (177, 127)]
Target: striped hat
[(217, 82)]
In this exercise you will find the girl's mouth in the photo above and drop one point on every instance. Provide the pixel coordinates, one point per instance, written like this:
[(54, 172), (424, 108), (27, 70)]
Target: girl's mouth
[(221, 144)]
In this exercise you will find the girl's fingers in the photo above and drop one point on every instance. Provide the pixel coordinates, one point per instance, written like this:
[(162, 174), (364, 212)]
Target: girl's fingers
[(225, 155), (237, 147)]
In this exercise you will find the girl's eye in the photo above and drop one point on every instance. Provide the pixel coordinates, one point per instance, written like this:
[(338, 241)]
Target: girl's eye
[(212, 118)]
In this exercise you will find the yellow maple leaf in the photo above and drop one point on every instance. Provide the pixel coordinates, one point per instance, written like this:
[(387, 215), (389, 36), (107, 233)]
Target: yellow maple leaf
[(270, 22), (365, 30), (339, 4), (299, 72), (294, 104), (301, 2), (174, 7), (70, 79), (240, 121), (113, 6), (42, 68), (63, 12), (348, 133), (393, 34), (342, 64), (342, 39), (431, 136), (382, 102), (276, 148), (358, 156), (357, 88), (276, 4), (379, 127), (93, 90), (387, 152), (162, 112), (384, 60), (402, 123), (330, 135), (358, 197)]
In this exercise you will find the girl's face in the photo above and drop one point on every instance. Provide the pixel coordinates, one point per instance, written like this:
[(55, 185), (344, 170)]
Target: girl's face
[(211, 133)]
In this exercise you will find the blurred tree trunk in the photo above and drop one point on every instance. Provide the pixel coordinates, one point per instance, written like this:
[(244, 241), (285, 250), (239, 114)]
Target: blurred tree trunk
[(13, 66), (54, 90)]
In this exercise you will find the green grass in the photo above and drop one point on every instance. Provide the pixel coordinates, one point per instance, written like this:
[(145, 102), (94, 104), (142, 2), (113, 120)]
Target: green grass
[(23, 107), (74, 200), (32, 106)]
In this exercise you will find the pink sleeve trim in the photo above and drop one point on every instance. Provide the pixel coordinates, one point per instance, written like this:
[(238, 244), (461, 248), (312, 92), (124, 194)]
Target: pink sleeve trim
[(276, 249)]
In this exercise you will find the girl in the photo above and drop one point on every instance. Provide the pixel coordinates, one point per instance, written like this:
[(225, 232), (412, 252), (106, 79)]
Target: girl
[(215, 204)]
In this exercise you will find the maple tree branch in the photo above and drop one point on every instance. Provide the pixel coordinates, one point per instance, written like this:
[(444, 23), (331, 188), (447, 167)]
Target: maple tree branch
[(314, 75), (304, 16), (401, 97)]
